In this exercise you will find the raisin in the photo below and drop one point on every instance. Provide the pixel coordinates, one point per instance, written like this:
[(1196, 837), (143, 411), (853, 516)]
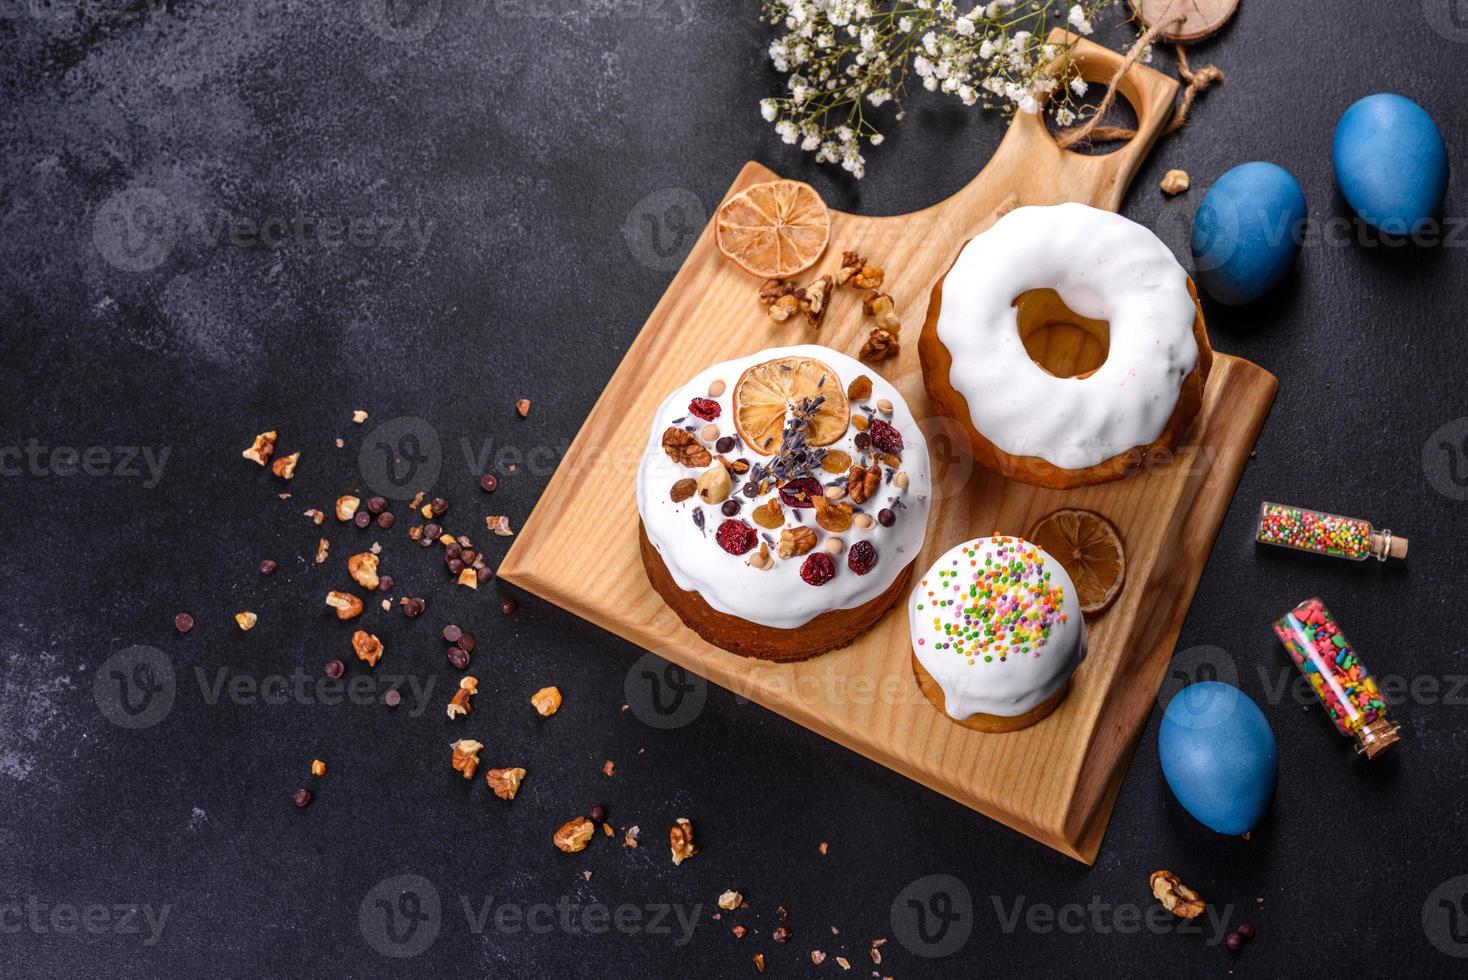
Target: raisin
[(801, 492), (818, 569), (862, 557), (736, 537), (708, 409), (885, 437)]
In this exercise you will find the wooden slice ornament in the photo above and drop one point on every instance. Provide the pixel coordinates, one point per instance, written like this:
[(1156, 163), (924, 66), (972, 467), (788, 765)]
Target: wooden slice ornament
[(1199, 18)]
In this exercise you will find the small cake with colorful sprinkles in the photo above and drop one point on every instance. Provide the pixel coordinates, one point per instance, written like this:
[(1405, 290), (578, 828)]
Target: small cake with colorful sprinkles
[(784, 498), (997, 633)]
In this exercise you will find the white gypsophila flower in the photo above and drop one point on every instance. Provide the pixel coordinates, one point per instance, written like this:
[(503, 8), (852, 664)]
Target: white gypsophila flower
[(879, 97), (922, 66), (768, 109), (810, 143), (986, 50), (1065, 117), (786, 129), (930, 44), (904, 24), (1078, 85), (876, 139), (930, 83), (1077, 19), (964, 27)]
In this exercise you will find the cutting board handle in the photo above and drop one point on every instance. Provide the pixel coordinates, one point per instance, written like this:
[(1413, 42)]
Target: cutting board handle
[(1030, 167)]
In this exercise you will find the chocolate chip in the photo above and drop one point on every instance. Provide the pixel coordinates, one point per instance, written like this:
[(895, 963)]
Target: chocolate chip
[(439, 506), (302, 797), (455, 566), (385, 520), (335, 668), (507, 607), (724, 445), (183, 622), (377, 504), (598, 813), (729, 508), (459, 658), (453, 550), (1245, 931), (1235, 942), (451, 633), (362, 518), (267, 567), (780, 935), (413, 607), (431, 533), (488, 482), (885, 517), (392, 698), (384, 583), (467, 642), (470, 556)]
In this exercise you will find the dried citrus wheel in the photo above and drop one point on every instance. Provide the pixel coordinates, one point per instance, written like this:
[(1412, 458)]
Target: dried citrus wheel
[(768, 393), (775, 229), (1089, 549)]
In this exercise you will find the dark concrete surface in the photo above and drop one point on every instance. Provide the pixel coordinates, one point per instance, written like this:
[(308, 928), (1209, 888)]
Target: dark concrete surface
[(221, 218)]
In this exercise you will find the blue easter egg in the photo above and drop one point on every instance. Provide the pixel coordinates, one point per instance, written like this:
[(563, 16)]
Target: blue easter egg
[(1247, 231), (1218, 756), (1391, 163)]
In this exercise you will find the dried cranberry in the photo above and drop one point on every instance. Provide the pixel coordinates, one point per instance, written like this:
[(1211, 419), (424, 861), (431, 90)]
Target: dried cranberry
[(736, 537), (705, 408), (862, 557), (885, 437), (801, 492), (818, 569)]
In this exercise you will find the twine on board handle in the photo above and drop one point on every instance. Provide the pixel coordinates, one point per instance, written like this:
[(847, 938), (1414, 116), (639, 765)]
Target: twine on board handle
[(1198, 82)]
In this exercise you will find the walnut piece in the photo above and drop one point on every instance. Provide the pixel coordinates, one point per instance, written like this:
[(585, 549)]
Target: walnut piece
[(684, 448), (346, 507), (772, 290), (862, 483), (505, 782), (813, 300), (1175, 896), (851, 264), (323, 546), (347, 606), (285, 466), (1175, 182), (778, 298), (879, 346), (574, 835), (315, 514), (499, 524), (459, 703), (522, 405), (547, 701), (246, 620), (868, 277), (261, 449), (318, 768), (367, 646), (714, 485), (683, 489), (680, 839), (795, 541), (363, 569), (466, 756), (729, 900), (880, 306)]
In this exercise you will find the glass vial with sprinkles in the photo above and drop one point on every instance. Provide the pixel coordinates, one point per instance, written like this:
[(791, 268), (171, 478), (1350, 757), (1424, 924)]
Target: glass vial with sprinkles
[(1326, 534), (1341, 681)]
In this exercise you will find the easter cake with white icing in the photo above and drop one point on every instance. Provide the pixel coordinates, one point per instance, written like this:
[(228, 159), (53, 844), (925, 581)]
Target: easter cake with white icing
[(783, 498), (1048, 271), (997, 632)]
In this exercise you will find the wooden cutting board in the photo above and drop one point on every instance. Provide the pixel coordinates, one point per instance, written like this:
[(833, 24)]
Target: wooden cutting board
[(1057, 780)]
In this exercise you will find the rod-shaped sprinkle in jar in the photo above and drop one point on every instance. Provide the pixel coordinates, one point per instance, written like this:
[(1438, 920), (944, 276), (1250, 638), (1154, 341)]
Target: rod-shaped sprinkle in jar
[(1344, 685), (1326, 534)]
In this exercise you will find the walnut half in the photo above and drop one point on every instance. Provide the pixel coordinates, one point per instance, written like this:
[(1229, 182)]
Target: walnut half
[(1175, 896), (459, 703), (505, 782), (680, 839), (684, 448), (879, 346), (466, 756), (795, 541), (574, 835)]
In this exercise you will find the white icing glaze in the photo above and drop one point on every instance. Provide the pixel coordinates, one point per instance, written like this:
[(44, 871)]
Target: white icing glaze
[(977, 671), (778, 597), (1105, 267)]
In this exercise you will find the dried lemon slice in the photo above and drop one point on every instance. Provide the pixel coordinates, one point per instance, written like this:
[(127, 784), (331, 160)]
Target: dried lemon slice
[(770, 392), (775, 229), (1089, 549)]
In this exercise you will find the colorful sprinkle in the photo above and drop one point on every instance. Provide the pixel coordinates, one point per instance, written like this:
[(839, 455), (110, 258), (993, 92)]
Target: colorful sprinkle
[(1004, 606), (1312, 530), (1341, 681)]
